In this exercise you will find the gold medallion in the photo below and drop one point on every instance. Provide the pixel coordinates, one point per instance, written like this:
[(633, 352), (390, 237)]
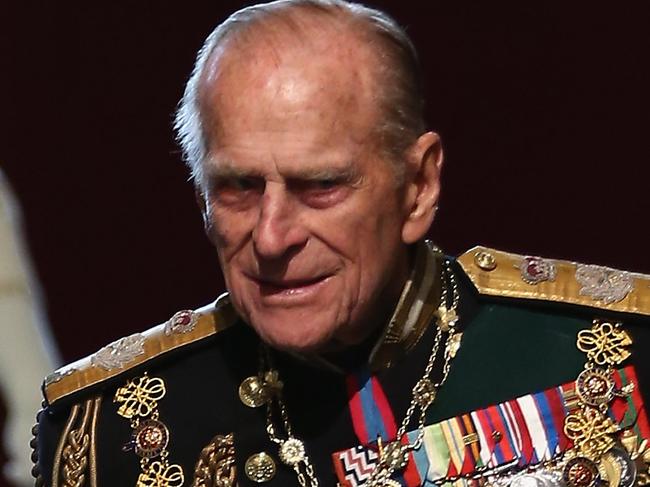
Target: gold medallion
[(260, 467), (252, 392)]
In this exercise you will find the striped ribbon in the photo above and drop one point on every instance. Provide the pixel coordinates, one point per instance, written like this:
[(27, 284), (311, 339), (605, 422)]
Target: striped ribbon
[(526, 430), (373, 419)]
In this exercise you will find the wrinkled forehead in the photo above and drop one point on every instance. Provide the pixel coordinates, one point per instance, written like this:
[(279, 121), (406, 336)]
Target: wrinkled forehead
[(276, 69)]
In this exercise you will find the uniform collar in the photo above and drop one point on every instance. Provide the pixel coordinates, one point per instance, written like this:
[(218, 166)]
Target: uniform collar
[(411, 317), (414, 312)]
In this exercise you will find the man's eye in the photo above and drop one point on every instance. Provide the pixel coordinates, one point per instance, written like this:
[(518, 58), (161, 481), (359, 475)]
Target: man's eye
[(324, 184), (236, 184), (242, 184)]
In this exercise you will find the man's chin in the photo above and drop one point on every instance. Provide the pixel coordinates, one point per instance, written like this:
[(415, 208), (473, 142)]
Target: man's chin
[(301, 339)]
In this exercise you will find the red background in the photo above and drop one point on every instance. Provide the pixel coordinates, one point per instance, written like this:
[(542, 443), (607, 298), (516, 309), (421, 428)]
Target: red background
[(542, 107)]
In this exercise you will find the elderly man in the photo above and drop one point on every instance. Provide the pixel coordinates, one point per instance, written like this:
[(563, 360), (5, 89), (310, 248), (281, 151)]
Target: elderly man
[(349, 351)]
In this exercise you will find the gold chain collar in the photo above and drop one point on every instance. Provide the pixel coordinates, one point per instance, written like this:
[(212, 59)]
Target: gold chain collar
[(266, 388)]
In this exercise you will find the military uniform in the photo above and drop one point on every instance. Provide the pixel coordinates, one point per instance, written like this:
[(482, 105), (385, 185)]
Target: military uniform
[(191, 401)]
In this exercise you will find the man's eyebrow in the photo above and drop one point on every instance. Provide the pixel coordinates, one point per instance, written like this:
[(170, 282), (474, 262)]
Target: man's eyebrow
[(346, 172), (226, 169)]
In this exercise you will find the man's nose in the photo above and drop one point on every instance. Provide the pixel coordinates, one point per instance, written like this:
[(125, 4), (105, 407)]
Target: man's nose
[(278, 229)]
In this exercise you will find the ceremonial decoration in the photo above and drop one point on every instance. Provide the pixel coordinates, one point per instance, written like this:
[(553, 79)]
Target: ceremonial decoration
[(522, 443), (182, 322), (216, 465), (119, 353), (535, 270), (138, 401), (395, 454), (58, 376), (592, 431), (260, 468), (604, 284)]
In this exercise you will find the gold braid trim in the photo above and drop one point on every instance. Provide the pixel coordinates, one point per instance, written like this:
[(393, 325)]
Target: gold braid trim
[(216, 464), (76, 449)]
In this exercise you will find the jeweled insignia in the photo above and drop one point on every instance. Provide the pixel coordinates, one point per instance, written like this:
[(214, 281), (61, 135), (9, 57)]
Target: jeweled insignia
[(591, 431), (595, 387), (119, 353), (58, 376), (160, 474), (253, 393), (580, 472), (604, 284), (292, 452), (150, 438), (140, 396), (535, 270), (182, 322), (260, 468), (605, 344)]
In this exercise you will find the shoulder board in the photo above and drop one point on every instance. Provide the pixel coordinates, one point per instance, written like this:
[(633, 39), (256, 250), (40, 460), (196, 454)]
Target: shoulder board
[(115, 359), (503, 274)]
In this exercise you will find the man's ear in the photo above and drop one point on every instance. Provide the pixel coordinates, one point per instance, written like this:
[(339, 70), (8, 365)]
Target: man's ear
[(422, 180)]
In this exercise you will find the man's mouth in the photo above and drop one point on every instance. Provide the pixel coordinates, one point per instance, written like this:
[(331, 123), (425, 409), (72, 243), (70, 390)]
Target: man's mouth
[(289, 287)]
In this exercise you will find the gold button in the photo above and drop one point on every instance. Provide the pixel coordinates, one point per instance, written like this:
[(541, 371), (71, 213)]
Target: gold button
[(485, 261), (497, 436), (252, 392), (260, 467)]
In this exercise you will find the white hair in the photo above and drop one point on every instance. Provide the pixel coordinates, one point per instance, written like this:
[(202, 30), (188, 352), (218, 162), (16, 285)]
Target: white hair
[(402, 122)]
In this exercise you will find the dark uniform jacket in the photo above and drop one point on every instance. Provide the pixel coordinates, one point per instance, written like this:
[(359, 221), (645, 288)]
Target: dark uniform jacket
[(519, 317)]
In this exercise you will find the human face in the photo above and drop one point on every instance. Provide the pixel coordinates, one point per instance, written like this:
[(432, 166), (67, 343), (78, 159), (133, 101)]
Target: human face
[(305, 215)]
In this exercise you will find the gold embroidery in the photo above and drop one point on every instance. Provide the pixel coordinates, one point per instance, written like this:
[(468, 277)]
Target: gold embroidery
[(81, 375), (216, 466), (75, 455), (506, 281)]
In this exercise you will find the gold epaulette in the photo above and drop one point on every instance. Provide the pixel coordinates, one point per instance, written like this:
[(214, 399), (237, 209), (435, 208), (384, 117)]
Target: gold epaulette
[(183, 328), (497, 273)]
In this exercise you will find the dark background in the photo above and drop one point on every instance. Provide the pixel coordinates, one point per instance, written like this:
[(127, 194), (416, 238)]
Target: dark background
[(542, 106)]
